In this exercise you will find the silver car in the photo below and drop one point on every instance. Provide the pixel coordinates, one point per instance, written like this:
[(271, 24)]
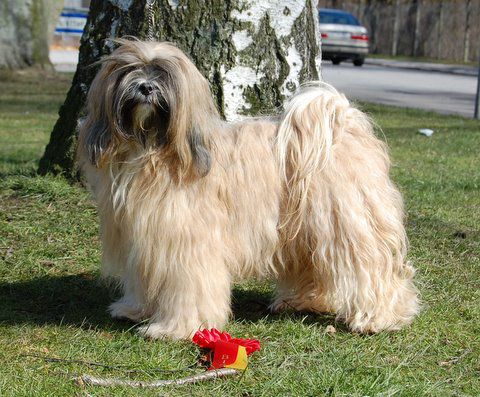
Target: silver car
[(343, 38)]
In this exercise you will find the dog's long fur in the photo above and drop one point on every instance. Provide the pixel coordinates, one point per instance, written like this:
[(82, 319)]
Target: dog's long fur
[(189, 203)]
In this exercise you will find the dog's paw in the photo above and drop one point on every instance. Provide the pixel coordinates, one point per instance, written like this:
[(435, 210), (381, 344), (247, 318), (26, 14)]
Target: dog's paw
[(122, 309), (159, 331), (279, 305), (311, 303), (377, 323)]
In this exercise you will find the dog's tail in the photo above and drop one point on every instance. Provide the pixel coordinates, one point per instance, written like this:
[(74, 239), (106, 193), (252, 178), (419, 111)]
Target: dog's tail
[(313, 120)]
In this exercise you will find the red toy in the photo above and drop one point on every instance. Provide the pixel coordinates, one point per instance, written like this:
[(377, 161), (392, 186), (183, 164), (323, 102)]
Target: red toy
[(227, 352)]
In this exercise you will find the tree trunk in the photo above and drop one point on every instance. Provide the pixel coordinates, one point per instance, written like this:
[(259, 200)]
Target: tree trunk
[(255, 54), (416, 35), (360, 9), (25, 29), (466, 37), (440, 29), (396, 28), (370, 17)]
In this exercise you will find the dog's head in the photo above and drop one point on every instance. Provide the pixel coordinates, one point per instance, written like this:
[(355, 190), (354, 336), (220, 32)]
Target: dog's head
[(151, 95)]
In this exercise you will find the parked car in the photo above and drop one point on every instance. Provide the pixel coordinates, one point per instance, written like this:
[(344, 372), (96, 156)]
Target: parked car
[(343, 38)]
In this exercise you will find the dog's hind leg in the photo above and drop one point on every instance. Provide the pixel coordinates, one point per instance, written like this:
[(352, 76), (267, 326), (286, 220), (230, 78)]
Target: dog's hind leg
[(371, 297), (357, 267), (360, 250), (301, 293), (342, 204)]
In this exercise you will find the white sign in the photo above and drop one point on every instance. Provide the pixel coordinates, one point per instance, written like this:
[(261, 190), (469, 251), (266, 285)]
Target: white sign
[(72, 21)]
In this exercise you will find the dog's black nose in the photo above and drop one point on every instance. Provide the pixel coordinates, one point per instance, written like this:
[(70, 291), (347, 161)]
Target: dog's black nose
[(146, 88)]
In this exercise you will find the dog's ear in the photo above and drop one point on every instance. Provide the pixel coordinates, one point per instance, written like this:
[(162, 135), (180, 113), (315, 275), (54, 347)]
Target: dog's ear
[(191, 140), (201, 157), (193, 116), (95, 135), (97, 140)]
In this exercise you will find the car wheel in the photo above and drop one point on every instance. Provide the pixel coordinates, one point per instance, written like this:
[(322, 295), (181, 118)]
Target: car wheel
[(336, 61), (358, 61)]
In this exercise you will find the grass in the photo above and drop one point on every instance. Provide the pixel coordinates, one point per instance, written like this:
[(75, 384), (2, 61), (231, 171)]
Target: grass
[(52, 302)]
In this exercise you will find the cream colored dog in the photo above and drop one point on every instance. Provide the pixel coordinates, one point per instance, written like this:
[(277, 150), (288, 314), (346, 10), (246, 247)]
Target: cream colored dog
[(189, 203)]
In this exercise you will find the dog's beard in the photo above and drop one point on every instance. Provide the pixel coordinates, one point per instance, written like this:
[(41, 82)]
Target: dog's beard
[(143, 119)]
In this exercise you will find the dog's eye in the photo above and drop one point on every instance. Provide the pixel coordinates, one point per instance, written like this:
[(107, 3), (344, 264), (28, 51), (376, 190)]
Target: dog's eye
[(120, 74)]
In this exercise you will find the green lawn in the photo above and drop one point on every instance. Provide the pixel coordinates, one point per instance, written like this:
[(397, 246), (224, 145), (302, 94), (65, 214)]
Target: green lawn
[(52, 302)]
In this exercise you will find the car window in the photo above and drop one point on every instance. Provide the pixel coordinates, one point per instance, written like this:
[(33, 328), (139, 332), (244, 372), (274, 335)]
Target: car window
[(337, 17)]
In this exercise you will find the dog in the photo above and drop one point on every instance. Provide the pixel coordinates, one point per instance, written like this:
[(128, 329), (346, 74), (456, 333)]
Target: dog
[(189, 203)]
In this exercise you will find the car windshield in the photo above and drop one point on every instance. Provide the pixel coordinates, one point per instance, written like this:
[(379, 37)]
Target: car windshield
[(337, 17)]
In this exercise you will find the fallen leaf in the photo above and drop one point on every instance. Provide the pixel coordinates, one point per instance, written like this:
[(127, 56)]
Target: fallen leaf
[(330, 329)]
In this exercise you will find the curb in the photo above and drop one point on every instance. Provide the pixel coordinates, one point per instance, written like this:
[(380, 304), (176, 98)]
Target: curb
[(428, 67), (64, 60)]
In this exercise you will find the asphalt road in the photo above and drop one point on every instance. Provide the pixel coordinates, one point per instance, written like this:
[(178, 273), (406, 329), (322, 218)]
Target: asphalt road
[(446, 93), (440, 91)]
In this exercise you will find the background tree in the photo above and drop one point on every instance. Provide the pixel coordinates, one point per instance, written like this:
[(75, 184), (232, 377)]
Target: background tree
[(416, 35), (254, 53), (466, 37), (396, 27), (25, 30), (371, 17), (439, 29)]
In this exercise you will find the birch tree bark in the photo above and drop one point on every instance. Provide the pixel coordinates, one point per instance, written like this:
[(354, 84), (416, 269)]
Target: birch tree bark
[(254, 53)]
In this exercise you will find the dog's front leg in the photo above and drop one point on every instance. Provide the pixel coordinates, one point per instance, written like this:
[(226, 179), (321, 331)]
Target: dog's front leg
[(132, 304), (193, 295), (117, 265)]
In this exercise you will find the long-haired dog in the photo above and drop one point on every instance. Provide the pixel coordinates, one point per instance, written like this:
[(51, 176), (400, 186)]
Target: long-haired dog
[(190, 203)]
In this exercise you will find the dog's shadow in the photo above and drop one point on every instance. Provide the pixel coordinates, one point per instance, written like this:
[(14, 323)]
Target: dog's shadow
[(82, 300), (79, 300), (251, 303)]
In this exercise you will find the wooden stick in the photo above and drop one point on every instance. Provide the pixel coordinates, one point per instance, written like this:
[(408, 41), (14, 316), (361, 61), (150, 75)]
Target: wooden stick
[(94, 381)]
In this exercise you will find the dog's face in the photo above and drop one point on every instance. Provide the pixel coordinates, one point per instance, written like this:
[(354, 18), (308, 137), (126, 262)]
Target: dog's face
[(152, 96), (141, 102)]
